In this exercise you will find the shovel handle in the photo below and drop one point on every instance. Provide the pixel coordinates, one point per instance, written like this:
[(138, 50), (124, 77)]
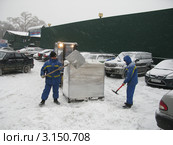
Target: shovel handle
[(120, 87), (116, 92), (55, 70)]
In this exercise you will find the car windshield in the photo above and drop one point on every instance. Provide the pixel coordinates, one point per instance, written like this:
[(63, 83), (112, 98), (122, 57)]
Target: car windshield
[(2, 54), (105, 57), (121, 56), (92, 56), (165, 64)]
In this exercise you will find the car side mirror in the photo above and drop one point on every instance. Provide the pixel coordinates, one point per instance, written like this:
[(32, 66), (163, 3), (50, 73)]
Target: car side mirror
[(136, 60)]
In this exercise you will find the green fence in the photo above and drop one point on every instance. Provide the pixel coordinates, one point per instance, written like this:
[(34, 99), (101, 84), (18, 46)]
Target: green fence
[(149, 31)]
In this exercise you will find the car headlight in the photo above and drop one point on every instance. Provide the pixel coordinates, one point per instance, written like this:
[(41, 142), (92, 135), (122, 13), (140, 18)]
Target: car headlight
[(170, 76), (147, 74)]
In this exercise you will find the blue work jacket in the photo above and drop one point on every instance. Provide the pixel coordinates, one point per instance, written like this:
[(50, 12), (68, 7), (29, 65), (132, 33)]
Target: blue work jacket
[(49, 66), (131, 76)]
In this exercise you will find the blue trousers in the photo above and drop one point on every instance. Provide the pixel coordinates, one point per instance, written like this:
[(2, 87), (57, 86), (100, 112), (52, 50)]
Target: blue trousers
[(47, 89), (130, 93)]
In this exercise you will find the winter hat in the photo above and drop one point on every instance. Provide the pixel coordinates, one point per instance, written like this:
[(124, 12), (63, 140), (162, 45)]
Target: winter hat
[(52, 54), (127, 59)]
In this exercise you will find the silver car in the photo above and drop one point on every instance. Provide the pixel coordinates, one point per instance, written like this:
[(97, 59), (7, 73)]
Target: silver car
[(164, 115), (117, 66)]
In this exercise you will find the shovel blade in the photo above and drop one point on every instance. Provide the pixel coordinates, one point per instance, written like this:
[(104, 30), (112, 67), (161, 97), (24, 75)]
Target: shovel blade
[(76, 59), (116, 92)]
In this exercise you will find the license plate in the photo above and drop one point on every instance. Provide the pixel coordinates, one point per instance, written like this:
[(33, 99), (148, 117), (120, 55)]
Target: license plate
[(156, 80)]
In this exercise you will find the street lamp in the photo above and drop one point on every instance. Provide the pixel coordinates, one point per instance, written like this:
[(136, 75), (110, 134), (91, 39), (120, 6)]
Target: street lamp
[(100, 15)]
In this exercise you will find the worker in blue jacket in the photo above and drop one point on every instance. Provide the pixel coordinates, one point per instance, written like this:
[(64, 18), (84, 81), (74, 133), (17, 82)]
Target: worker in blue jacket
[(131, 78), (52, 80)]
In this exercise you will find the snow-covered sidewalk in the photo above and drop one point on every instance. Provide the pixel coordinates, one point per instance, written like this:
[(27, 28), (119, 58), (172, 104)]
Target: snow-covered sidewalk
[(21, 94)]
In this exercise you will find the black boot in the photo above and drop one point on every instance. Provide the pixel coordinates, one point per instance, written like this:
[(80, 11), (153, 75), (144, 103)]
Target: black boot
[(56, 102), (127, 106), (42, 103)]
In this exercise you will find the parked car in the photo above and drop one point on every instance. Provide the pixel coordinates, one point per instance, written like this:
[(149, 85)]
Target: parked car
[(164, 115), (117, 66), (85, 54), (12, 61), (23, 50), (45, 56), (38, 56), (161, 75), (96, 57), (30, 50), (7, 48)]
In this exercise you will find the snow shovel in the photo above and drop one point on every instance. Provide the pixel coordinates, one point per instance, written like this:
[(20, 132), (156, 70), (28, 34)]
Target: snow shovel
[(116, 92), (60, 68), (75, 58)]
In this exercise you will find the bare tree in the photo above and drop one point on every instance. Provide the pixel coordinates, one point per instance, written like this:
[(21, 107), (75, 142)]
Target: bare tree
[(25, 21), (4, 26), (21, 23)]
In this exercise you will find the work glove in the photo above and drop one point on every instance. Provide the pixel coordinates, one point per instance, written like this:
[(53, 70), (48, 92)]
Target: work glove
[(42, 76)]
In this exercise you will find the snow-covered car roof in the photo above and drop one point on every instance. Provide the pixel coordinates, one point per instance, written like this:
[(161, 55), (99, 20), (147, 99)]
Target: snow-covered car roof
[(46, 50), (7, 48)]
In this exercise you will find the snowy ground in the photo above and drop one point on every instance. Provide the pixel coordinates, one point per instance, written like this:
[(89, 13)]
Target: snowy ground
[(20, 96)]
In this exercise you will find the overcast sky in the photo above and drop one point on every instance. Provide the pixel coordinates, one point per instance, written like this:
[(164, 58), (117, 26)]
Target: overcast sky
[(59, 12)]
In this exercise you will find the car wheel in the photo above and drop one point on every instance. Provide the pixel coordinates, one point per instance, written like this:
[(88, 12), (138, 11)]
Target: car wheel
[(0, 72), (26, 69), (122, 76), (69, 101), (108, 75)]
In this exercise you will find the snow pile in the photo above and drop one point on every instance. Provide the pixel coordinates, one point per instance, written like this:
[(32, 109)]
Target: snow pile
[(21, 94)]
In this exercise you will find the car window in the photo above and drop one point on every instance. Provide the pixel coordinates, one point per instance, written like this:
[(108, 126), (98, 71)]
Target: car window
[(18, 55), (10, 56), (2, 54), (146, 56), (104, 57), (23, 55)]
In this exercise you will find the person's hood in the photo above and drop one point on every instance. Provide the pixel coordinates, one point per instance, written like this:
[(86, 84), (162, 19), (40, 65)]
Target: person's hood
[(127, 59)]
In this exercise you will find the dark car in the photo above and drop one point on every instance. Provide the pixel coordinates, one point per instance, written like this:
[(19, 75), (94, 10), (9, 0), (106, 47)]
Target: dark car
[(161, 75), (11, 61), (164, 115)]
